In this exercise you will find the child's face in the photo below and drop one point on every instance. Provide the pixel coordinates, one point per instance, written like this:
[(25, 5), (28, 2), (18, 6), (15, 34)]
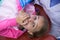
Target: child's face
[(32, 23)]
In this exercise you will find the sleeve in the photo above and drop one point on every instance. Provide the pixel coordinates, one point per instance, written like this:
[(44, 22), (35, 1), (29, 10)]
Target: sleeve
[(7, 30), (11, 33), (7, 23)]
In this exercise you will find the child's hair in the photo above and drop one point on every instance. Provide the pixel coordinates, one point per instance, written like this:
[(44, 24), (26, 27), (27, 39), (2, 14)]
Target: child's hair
[(42, 31)]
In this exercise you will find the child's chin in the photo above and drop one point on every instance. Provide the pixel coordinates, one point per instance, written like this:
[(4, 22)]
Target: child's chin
[(30, 33)]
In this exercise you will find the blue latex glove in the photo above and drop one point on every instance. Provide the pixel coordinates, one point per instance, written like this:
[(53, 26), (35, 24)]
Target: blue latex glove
[(25, 2), (0, 2)]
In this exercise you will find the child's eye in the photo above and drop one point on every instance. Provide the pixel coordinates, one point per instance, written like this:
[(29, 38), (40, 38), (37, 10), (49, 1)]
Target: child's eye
[(33, 24), (35, 18)]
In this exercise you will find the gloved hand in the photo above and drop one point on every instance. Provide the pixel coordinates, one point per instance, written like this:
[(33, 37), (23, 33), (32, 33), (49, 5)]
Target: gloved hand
[(25, 2)]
